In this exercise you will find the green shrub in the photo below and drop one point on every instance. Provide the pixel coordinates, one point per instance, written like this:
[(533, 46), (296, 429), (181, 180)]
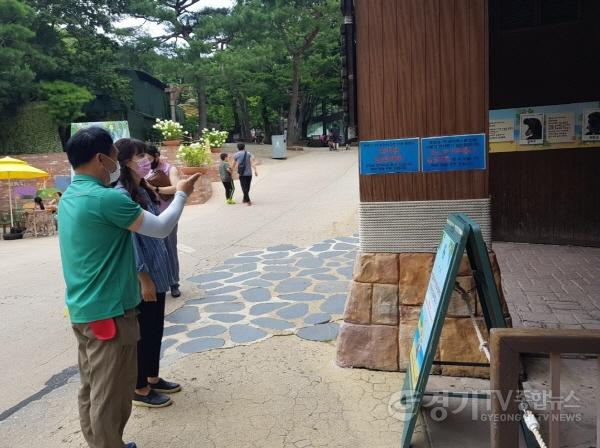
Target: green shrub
[(30, 131)]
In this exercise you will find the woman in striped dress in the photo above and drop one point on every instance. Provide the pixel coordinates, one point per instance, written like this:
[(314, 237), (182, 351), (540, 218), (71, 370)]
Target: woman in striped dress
[(155, 274)]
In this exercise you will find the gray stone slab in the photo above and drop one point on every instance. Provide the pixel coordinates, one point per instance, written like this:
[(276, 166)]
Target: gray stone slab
[(325, 277), (227, 318), (292, 285), (258, 283), (348, 239), (334, 264), (302, 255), (344, 246), (209, 286), (184, 315), (165, 344), (209, 330), (277, 276), (200, 345), (242, 260), (320, 333), (293, 312), (334, 304), (280, 268), (347, 272), (307, 272), (243, 334), (224, 290), (211, 299), (174, 329), (321, 247), (264, 308), (317, 318), (257, 295), (331, 254), (226, 307), (242, 277), (210, 277), (273, 324), (275, 255), (279, 262), (252, 253), (302, 297), (331, 287), (312, 262), (244, 268), (282, 247)]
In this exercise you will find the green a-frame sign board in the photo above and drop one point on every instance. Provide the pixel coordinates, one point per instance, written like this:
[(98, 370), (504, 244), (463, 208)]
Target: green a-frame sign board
[(460, 233)]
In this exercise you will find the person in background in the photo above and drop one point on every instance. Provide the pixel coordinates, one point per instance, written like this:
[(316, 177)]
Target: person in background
[(53, 206), (225, 172), (102, 290), (163, 177), (244, 163), (39, 203), (155, 276)]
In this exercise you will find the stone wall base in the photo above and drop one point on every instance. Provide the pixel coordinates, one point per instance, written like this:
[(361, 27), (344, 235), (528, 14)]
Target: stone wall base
[(383, 308)]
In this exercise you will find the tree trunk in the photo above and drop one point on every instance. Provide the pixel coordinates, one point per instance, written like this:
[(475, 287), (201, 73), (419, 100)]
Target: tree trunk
[(266, 124), (241, 105), (292, 125), (202, 110)]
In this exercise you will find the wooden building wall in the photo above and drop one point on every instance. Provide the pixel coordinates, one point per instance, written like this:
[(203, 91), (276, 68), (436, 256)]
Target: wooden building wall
[(422, 70), (550, 197)]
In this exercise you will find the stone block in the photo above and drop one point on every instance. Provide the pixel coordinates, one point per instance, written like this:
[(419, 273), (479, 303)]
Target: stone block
[(457, 306), (358, 306), (409, 313), (385, 304), (415, 270), (376, 268), (368, 346), (459, 343), (465, 267)]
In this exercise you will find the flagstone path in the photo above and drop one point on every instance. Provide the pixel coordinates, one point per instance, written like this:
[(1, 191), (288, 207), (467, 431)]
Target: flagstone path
[(280, 290)]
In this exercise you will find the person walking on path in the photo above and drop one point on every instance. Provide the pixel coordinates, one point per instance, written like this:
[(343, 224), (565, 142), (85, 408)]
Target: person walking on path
[(163, 177), (226, 174), (155, 274), (102, 290), (244, 163)]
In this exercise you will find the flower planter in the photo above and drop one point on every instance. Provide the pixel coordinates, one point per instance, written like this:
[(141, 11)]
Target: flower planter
[(216, 150), (171, 143), (190, 170), (13, 236)]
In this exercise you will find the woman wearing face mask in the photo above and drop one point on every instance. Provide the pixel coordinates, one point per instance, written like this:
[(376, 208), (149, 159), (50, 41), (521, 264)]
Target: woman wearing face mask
[(155, 276), (163, 177)]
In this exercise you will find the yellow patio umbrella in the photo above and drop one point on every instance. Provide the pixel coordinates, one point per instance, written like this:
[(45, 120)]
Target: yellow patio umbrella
[(15, 169)]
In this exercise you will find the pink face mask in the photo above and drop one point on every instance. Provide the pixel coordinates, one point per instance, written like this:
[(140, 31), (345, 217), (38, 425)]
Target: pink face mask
[(143, 167)]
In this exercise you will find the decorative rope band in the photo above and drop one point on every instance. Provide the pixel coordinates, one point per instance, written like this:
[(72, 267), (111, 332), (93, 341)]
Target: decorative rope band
[(396, 227)]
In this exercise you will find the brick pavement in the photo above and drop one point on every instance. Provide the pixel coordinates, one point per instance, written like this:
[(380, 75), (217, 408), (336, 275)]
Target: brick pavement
[(551, 286)]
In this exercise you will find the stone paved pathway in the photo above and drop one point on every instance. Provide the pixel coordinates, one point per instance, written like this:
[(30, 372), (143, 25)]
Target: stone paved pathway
[(280, 290), (551, 286)]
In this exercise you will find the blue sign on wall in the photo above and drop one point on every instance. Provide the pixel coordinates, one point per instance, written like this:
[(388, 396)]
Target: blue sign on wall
[(454, 153), (389, 156)]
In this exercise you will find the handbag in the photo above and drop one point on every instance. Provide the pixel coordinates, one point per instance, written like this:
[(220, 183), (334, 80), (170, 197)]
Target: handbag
[(159, 178), (242, 166)]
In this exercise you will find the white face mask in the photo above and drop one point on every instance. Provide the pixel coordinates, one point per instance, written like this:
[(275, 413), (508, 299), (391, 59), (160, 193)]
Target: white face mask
[(113, 175)]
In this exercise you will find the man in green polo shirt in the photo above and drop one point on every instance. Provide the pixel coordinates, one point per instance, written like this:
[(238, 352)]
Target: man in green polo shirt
[(95, 224)]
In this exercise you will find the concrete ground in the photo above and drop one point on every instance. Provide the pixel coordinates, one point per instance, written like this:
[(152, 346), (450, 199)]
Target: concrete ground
[(262, 285)]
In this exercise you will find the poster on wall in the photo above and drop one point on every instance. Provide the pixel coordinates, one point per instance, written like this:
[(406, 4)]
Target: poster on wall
[(389, 156), (560, 127), (563, 126), (590, 125), (454, 153), (532, 129), (502, 130), (117, 129)]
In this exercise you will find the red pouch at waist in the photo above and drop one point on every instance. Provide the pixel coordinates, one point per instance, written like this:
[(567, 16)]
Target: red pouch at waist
[(104, 329)]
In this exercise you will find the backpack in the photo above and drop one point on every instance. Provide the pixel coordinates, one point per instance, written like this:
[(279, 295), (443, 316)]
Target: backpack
[(242, 166)]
